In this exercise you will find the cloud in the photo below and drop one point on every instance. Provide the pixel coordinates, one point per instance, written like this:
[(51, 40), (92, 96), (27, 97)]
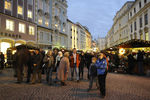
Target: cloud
[(97, 15)]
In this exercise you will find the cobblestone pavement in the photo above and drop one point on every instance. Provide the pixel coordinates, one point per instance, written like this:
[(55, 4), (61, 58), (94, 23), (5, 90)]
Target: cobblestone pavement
[(119, 87)]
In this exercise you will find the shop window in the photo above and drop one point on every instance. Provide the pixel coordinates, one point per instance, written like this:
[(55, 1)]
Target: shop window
[(20, 11), (146, 36), (4, 46), (31, 30), (9, 25), (8, 5), (21, 28), (29, 14)]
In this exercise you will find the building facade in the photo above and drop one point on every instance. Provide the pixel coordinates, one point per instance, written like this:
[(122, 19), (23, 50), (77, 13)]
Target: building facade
[(81, 37), (130, 22), (88, 39), (43, 19), (59, 23), (139, 20), (17, 23), (101, 43)]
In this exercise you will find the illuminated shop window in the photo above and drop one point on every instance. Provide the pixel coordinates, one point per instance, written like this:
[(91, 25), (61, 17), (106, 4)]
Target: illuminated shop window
[(5, 46), (9, 25), (20, 11), (8, 5), (29, 14), (31, 30), (21, 28)]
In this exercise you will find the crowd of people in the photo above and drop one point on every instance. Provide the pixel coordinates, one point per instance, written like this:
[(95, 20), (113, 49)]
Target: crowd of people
[(60, 67)]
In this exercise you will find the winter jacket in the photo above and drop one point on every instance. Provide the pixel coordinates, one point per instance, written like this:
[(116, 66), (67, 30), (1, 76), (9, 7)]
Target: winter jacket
[(101, 65), (49, 61), (92, 70), (72, 61)]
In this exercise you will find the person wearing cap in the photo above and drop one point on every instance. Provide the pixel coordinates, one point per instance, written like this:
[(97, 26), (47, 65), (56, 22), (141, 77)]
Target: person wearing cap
[(101, 65)]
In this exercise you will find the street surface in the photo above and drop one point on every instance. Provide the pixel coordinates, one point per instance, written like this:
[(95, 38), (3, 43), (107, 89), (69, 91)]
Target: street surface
[(119, 87)]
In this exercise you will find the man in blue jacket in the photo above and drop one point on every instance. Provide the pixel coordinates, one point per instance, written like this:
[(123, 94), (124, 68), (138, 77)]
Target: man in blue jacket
[(101, 65)]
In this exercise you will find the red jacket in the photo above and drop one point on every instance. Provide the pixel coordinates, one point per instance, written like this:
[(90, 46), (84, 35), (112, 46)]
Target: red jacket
[(72, 61)]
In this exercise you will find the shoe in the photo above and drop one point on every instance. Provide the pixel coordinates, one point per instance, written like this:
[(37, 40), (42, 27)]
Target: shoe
[(63, 84), (102, 96), (88, 90)]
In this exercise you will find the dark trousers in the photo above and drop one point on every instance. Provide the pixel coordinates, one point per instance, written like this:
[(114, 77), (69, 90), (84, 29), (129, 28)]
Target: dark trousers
[(102, 82), (140, 68), (36, 71), (49, 72), (1, 65), (29, 73), (81, 71), (20, 73)]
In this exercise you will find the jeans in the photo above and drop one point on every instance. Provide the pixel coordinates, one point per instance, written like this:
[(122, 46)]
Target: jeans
[(49, 72), (76, 69), (140, 68), (91, 82), (36, 71)]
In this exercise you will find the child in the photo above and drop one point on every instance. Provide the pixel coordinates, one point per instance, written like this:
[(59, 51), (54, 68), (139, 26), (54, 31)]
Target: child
[(92, 73)]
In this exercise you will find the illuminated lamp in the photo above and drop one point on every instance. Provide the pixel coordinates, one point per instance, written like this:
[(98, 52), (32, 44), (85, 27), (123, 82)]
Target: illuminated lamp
[(121, 51)]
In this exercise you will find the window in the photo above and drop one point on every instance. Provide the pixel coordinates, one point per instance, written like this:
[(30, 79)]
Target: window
[(29, 14), (145, 1), (31, 30), (131, 28), (131, 36), (9, 25), (20, 11), (146, 36), (135, 25), (135, 35), (8, 5), (30, 2), (40, 21), (134, 10), (146, 18), (40, 4), (21, 28), (130, 13), (141, 36), (140, 5), (46, 23), (141, 22)]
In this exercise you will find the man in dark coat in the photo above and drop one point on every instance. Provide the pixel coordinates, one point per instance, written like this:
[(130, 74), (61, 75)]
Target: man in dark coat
[(140, 61), (130, 63), (37, 59), (81, 65), (2, 60)]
